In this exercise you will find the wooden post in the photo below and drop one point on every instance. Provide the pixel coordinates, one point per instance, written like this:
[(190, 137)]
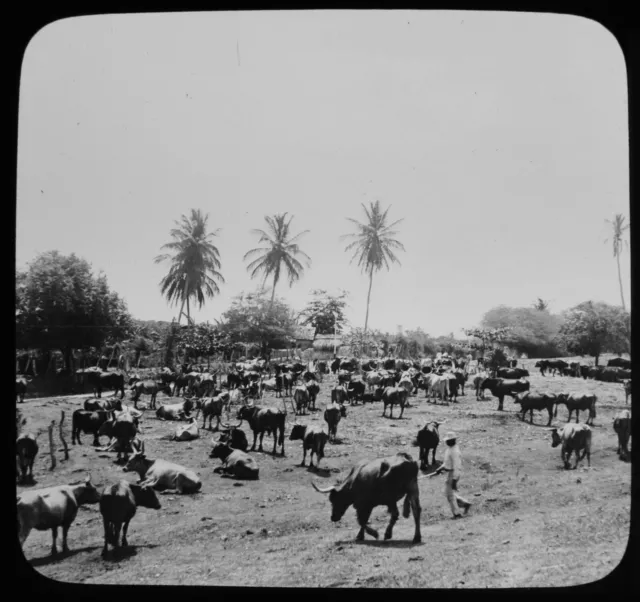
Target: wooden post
[(64, 443), (53, 457)]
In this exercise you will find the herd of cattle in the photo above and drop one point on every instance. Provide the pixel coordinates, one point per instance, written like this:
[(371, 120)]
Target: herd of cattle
[(383, 481)]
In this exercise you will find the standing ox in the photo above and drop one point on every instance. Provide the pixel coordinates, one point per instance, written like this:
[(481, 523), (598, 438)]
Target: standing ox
[(536, 401), (574, 438), (88, 423), (313, 439), (577, 402), (381, 482), (332, 416), (393, 396), (118, 504), (53, 507), (149, 387), (212, 408), (264, 420), (26, 451), (313, 388), (428, 439), (622, 427), (301, 399), (501, 387), (161, 474)]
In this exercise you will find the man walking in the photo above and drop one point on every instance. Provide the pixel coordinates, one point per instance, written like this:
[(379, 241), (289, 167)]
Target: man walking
[(452, 465)]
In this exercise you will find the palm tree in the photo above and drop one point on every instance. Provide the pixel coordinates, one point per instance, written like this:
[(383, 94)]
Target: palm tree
[(373, 244), (619, 228), (280, 249), (194, 263)]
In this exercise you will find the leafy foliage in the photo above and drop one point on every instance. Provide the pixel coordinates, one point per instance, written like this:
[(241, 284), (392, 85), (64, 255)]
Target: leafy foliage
[(487, 338), (202, 340), (593, 328), (60, 304), (325, 311), (361, 343), (252, 318)]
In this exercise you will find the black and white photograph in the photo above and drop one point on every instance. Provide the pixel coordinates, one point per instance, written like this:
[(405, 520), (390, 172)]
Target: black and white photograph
[(323, 299)]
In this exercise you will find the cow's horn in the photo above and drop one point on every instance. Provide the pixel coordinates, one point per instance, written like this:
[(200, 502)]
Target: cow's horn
[(323, 490)]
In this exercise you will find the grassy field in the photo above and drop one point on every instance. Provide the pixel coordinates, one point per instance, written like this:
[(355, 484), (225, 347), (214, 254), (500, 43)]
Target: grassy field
[(532, 524)]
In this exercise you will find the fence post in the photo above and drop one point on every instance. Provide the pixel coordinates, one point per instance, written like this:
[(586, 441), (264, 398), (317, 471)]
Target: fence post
[(53, 457)]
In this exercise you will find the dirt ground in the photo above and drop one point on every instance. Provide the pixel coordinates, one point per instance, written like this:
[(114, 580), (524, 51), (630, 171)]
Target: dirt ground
[(528, 520)]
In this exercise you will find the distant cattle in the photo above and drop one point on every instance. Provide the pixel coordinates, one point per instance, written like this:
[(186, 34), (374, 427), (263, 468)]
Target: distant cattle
[(577, 402), (622, 427), (428, 439), (235, 462), (536, 401), (313, 440), (211, 408), (394, 396), (332, 415), (620, 362), (99, 380), (339, 394), (118, 504), (501, 388), (552, 366), (574, 438), (355, 390), (513, 373), (107, 405), (53, 507), (381, 482), (149, 387), (176, 411), (264, 420)]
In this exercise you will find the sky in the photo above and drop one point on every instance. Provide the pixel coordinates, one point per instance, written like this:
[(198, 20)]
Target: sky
[(500, 140)]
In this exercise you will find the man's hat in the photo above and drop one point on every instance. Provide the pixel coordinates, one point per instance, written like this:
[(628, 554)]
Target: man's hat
[(449, 436)]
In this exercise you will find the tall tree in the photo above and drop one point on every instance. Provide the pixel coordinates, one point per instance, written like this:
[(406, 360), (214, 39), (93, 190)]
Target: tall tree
[(619, 227), (194, 263), (541, 305), (325, 312), (372, 244), (281, 248)]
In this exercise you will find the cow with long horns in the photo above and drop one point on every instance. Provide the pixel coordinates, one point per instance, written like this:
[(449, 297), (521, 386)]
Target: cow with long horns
[(264, 420)]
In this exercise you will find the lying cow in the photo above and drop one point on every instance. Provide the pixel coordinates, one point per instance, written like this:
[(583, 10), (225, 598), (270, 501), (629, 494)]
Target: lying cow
[(536, 401), (394, 396), (53, 507), (88, 423), (175, 411), (577, 402), (574, 438), (26, 451), (235, 462), (622, 427), (264, 420), (332, 415), (428, 439), (149, 387), (187, 432), (162, 475), (313, 440), (381, 482), (118, 504), (235, 437), (501, 388)]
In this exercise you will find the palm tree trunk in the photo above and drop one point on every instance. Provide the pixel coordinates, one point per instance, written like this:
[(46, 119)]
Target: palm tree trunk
[(273, 292), (184, 299), (366, 319), (620, 282)]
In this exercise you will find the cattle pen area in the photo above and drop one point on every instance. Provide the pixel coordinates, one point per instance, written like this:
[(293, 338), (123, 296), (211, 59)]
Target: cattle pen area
[(532, 523)]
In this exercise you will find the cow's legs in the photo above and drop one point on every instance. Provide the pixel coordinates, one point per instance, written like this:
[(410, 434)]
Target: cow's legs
[(577, 416), (434, 455), (107, 538), (413, 499), (96, 439), (531, 416), (500, 402), (54, 535), (393, 510), (384, 409), (124, 533), (304, 455), (261, 438), (363, 519), (550, 410), (255, 437), (391, 410), (401, 411)]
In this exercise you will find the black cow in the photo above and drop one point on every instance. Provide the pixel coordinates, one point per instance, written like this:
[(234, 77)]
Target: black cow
[(235, 462), (513, 373), (577, 402), (88, 423), (536, 401), (428, 439), (619, 362), (335, 365), (501, 387), (313, 388), (106, 380), (394, 396), (264, 420), (26, 451), (149, 387), (622, 427), (106, 405), (313, 440), (235, 437), (332, 415), (355, 390), (339, 394), (381, 482)]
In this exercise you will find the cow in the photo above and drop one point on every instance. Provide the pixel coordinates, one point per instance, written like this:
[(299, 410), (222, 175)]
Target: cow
[(182, 382), (149, 387), (478, 379), (272, 384), (205, 385), (535, 401), (26, 451), (111, 380), (622, 427), (107, 405), (428, 439), (462, 377), (118, 504), (355, 390), (512, 373), (577, 402), (381, 482), (612, 375), (176, 411), (619, 362), (452, 385), (21, 386), (393, 396), (89, 423), (162, 475), (332, 415), (313, 440), (301, 398), (501, 387), (123, 429), (235, 437), (437, 386), (53, 507), (375, 396), (211, 408), (313, 388), (627, 389), (187, 432), (235, 462), (339, 394), (553, 366), (264, 420), (574, 438), (288, 381), (373, 379)]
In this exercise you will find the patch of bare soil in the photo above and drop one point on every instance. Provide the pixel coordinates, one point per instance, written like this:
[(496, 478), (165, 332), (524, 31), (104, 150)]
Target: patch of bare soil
[(529, 515)]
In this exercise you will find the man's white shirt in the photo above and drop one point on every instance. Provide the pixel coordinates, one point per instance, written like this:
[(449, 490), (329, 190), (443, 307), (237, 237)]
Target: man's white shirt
[(453, 460)]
